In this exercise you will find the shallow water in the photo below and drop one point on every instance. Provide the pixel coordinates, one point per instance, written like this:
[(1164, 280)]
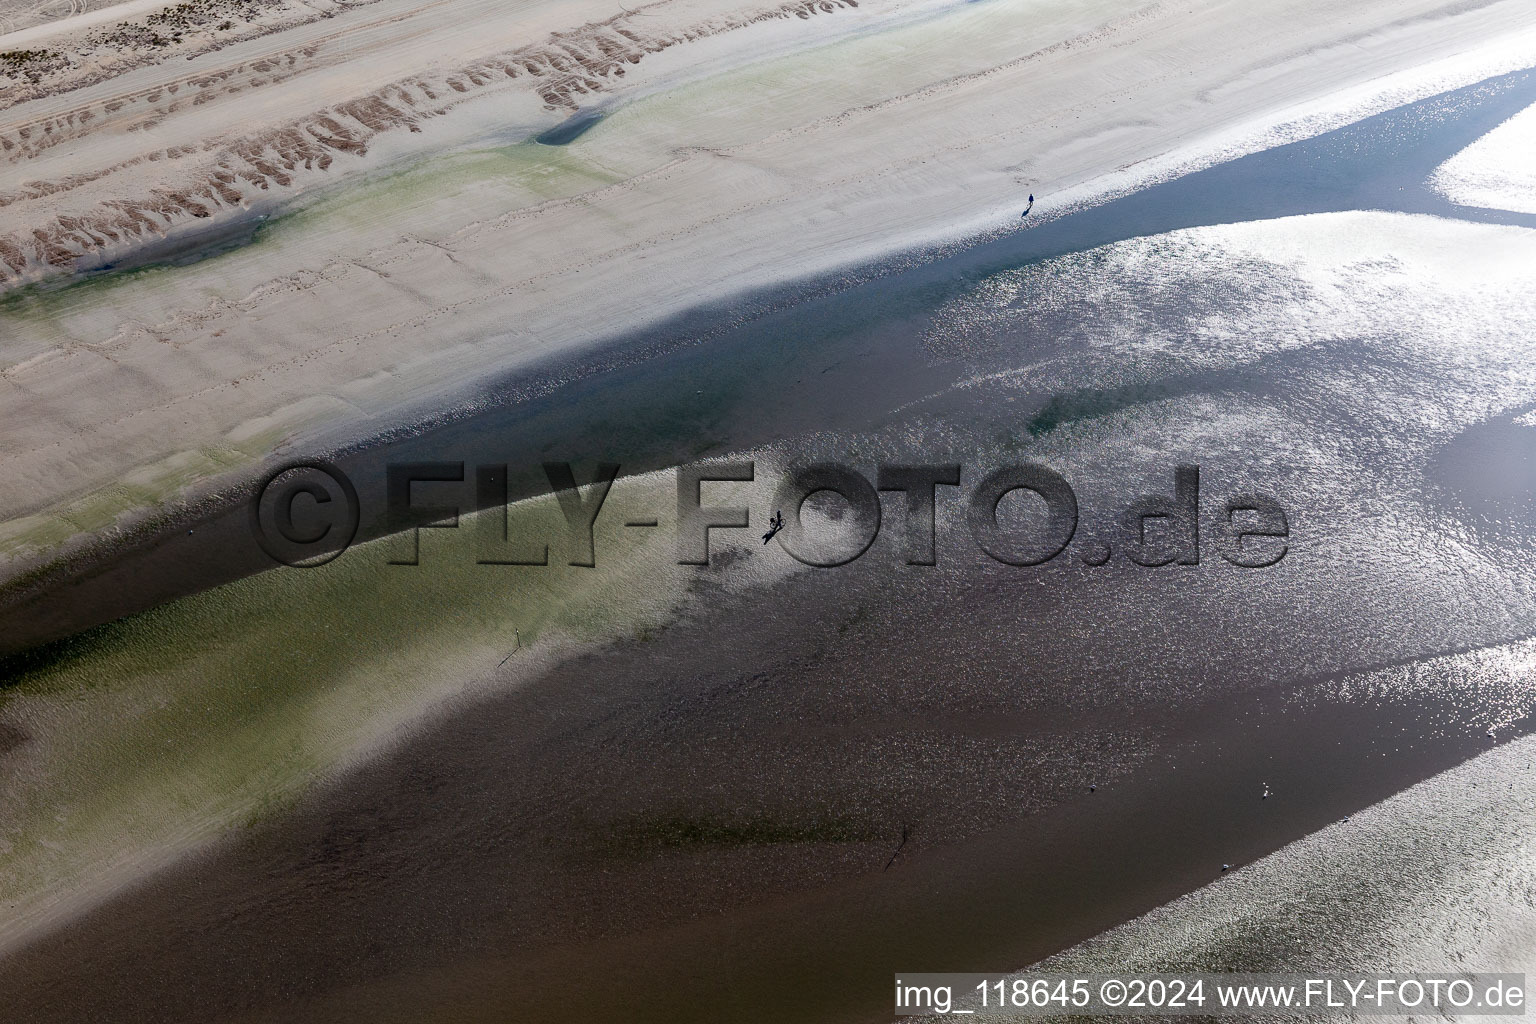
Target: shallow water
[(833, 354), (697, 814), (571, 129)]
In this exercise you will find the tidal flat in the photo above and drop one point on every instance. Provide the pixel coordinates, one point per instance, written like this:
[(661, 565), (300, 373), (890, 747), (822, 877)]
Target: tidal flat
[(750, 790)]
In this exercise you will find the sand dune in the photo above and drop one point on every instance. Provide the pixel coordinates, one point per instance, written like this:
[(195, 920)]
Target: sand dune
[(199, 178), (19, 15)]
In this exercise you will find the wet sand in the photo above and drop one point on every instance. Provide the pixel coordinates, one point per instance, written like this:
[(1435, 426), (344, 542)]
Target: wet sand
[(414, 264), (695, 823), (833, 354), (696, 826)]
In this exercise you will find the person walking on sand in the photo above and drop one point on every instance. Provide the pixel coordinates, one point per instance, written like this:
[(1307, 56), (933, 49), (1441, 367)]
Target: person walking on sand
[(1031, 206), (774, 526)]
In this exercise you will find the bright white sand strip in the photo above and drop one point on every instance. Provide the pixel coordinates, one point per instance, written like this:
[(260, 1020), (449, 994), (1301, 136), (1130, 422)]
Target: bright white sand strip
[(1497, 171), (39, 22), (785, 158)]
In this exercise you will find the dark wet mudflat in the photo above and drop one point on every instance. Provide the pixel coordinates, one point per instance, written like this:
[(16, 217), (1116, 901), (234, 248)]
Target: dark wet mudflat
[(696, 826)]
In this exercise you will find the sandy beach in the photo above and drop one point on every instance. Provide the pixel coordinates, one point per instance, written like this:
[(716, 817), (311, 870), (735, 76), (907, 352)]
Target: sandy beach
[(418, 246), (1287, 243)]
